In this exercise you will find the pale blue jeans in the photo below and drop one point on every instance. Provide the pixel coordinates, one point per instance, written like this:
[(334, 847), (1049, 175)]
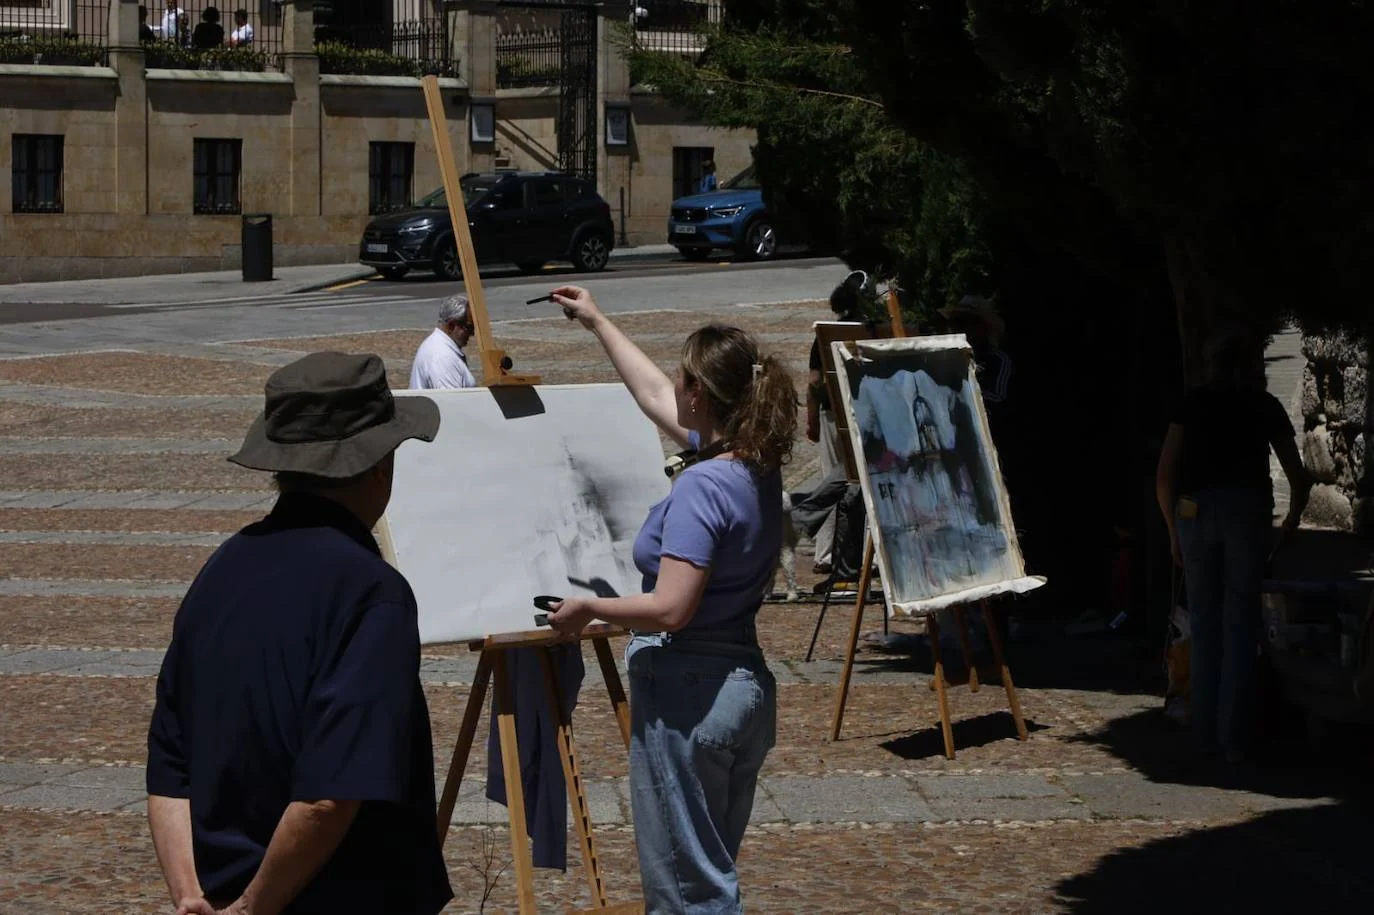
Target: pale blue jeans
[(1224, 551), (703, 715)]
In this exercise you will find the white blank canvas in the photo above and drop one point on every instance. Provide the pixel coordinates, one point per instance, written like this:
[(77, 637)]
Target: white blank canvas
[(524, 491)]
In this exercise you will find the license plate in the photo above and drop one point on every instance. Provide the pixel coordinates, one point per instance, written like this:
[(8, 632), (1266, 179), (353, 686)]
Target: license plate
[(685, 230), (374, 248)]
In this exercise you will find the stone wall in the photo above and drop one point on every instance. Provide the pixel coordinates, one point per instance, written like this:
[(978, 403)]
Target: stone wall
[(1338, 424), (129, 135)]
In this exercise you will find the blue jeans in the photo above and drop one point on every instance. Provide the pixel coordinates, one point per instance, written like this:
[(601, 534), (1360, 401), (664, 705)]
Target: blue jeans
[(1224, 550), (703, 715)]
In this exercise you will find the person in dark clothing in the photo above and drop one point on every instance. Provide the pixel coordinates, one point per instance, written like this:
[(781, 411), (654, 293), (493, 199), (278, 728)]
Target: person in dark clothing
[(290, 762), (1214, 487), (145, 31), (208, 33)]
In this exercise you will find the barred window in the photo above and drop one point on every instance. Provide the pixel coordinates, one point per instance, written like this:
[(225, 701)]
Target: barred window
[(36, 173), (218, 167), (390, 176)]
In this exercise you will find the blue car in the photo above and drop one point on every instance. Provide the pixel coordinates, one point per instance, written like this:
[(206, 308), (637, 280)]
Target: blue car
[(732, 217)]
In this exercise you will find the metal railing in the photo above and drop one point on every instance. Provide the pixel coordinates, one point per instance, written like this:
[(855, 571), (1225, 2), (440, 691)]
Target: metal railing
[(59, 32), (397, 36), (675, 26), (201, 35), (529, 57)]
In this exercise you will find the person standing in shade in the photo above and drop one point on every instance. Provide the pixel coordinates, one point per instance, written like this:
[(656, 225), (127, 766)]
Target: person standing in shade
[(1215, 490), (290, 762), (242, 35), (440, 362), (703, 703), (708, 177)]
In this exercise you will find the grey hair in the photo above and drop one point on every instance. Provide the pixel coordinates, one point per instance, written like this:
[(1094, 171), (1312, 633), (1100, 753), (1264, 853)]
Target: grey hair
[(453, 308)]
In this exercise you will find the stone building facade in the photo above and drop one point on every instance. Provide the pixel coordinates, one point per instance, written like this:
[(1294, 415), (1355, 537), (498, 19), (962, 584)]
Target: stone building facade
[(156, 167)]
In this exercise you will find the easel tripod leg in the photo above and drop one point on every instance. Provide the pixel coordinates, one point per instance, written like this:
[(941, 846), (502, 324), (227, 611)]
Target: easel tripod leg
[(462, 747), (611, 675), (825, 605), (572, 778), (933, 633), (515, 791), (961, 619), (864, 577), (995, 638)]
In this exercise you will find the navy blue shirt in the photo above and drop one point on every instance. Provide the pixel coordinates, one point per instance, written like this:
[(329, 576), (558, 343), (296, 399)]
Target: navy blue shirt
[(293, 675)]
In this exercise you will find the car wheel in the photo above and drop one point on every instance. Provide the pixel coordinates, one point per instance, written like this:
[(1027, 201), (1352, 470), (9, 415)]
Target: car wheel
[(529, 266), (695, 254), (591, 251), (760, 241), (446, 263), (393, 273)]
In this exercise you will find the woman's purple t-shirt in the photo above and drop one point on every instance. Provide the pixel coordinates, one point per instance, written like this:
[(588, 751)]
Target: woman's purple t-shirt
[(721, 516)]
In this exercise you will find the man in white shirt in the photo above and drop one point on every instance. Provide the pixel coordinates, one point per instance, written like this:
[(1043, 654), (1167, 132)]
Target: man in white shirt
[(243, 30), (174, 23), (440, 361)]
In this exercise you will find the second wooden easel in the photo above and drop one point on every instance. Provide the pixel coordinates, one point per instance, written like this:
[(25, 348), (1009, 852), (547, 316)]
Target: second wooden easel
[(938, 681), (492, 660)]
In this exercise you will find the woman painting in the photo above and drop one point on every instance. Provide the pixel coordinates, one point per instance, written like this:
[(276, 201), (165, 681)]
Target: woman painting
[(703, 703), (1214, 488)]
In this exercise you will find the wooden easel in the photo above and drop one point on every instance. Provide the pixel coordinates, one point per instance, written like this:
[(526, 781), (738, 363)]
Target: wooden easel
[(938, 680), (496, 367)]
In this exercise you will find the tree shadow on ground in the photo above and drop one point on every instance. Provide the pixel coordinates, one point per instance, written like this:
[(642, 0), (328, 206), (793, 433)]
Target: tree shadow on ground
[(968, 733), (1300, 860), (1285, 764)]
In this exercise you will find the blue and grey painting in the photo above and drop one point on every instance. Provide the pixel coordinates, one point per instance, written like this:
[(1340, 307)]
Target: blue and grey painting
[(937, 494)]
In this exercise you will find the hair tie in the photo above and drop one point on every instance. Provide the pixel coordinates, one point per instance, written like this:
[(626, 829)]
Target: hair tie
[(758, 370)]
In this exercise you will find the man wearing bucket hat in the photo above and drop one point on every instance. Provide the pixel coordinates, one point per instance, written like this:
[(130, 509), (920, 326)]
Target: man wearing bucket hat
[(290, 763)]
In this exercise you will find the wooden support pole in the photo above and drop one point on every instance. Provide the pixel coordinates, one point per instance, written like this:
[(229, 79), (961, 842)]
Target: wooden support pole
[(515, 789), (462, 747), (495, 365), (947, 729), (995, 638), (572, 778), (865, 577), (611, 675), (961, 620)]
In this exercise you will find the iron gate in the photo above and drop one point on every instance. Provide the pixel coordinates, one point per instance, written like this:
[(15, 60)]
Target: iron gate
[(556, 46)]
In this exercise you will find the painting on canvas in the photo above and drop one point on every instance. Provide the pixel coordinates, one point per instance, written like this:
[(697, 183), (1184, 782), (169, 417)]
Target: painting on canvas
[(525, 491), (938, 510)]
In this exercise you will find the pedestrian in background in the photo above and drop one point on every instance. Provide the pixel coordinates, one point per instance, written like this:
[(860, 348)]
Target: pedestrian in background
[(1215, 490), (708, 177), (242, 36), (441, 361), (703, 703), (208, 32)]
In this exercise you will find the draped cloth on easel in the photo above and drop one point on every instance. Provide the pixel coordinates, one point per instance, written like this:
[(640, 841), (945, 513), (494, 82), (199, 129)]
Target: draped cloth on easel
[(541, 770)]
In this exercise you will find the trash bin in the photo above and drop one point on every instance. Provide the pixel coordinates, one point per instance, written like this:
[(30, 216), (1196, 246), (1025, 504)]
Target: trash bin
[(257, 247)]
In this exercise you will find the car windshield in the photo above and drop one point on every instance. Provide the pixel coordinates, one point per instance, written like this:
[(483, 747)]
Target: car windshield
[(474, 188), (744, 181)]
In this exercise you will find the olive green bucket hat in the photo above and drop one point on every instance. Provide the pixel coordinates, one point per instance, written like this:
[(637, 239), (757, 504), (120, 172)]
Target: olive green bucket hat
[(333, 415)]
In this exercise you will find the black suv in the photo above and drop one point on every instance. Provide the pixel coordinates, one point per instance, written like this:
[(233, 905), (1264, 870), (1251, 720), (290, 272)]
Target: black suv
[(516, 218)]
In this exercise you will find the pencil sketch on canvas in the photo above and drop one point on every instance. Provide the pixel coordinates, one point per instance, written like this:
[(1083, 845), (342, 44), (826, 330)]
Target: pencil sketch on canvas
[(938, 510), (508, 504)]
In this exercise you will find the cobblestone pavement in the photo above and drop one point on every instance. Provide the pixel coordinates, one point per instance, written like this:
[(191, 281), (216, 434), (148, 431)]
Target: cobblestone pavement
[(116, 490)]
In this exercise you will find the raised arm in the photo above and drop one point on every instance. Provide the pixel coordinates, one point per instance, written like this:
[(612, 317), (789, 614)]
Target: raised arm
[(651, 389)]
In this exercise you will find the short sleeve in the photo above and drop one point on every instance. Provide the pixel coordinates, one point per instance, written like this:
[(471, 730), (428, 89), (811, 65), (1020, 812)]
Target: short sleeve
[(696, 520), (168, 774), (357, 726)]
